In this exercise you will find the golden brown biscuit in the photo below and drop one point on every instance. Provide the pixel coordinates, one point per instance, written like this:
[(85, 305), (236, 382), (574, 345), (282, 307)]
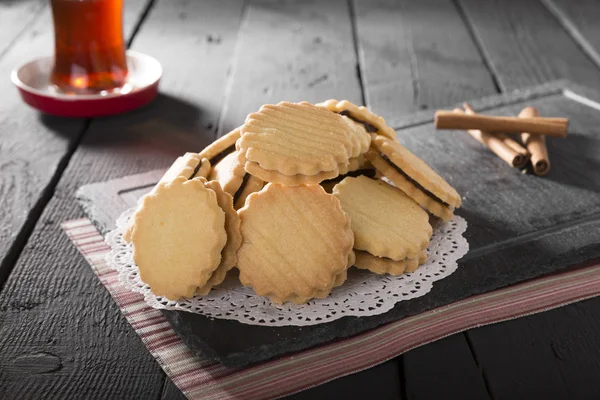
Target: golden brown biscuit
[(371, 122), (296, 243), (189, 166), (221, 147), (234, 238), (382, 265), (229, 172), (297, 139), (250, 184), (178, 237), (414, 177), (386, 222)]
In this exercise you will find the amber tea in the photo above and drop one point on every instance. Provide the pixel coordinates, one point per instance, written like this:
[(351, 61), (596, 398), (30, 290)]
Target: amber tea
[(89, 45)]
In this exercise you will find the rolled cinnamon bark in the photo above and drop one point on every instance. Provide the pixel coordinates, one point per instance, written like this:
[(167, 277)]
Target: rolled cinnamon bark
[(497, 146), (450, 120), (507, 141), (536, 144)]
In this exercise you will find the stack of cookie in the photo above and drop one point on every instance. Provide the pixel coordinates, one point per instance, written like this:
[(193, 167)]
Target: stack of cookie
[(305, 181)]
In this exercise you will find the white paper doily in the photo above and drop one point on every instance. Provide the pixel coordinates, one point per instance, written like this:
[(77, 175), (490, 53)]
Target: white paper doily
[(363, 294)]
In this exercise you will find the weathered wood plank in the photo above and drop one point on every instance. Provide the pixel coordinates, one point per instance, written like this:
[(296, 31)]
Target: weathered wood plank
[(380, 382), (580, 20), (291, 51), (171, 391), (525, 45), (417, 55), (15, 18), (552, 355), (451, 364), (35, 148), (52, 300)]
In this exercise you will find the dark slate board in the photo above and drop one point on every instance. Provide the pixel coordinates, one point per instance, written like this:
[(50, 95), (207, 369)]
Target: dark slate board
[(520, 226)]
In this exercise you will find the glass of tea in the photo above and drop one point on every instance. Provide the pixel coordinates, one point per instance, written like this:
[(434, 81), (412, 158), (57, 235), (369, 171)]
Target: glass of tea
[(89, 53)]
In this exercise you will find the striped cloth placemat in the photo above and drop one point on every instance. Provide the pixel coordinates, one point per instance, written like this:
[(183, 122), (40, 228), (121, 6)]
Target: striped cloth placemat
[(200, 378)]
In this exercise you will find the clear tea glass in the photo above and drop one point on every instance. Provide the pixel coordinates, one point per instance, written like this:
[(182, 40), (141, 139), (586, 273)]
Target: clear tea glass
[(89, 46)]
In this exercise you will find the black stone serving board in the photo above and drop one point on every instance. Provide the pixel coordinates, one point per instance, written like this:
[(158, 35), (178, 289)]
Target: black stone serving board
[(520, 226)]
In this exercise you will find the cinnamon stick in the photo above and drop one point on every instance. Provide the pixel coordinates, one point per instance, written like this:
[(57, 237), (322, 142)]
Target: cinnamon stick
[(536, 144), (497, 146), (450, 120), (507, 141)]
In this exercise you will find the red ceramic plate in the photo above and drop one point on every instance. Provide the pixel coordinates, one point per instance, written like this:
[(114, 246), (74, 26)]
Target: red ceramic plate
[(33, 81)]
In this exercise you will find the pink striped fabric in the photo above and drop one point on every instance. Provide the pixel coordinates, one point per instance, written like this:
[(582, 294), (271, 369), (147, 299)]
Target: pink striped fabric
[(200, 378)]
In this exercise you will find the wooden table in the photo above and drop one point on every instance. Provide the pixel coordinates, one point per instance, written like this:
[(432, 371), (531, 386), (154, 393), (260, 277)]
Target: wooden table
[(61, 335)]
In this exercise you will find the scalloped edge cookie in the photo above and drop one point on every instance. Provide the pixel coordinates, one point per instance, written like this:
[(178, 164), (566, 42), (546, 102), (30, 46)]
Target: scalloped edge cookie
[(189, 166), (221, 147), (260, 263), (385, 221), (361, 115), (382, 265), (178, 237), (234, 238), (297, 139)]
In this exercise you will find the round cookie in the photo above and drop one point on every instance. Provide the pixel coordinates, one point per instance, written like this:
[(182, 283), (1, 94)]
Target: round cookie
[(232, 177), (361, 134), (414, 177), (385, 221), (178, 237), (264, 175), (297, 139), (229, 172), (382, 265), (234, 238), (221, 147), (250, 184), (371, 122), (188, 166), (297, 243)]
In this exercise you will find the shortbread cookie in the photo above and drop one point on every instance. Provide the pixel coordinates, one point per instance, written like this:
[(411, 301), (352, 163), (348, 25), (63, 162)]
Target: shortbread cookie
[(414, 177), (189, 166), (372, 123), (250, 184), (297, 139), (294, 180), (178, 237), (229, 172), (234, 238), (358, 130), (385, 221), (220, 148), (296, 243), (363, 168), (382, 265)]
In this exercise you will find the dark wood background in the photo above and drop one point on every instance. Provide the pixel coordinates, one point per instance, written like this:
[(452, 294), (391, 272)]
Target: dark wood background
[(61, 336)]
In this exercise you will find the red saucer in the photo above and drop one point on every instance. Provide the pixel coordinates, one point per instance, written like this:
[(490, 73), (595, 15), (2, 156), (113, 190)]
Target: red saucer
[(33, 81)]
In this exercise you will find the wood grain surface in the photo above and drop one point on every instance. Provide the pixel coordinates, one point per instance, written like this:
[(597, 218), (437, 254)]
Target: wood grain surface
[(291, 51), (15, 18), (525, 45), (457, 372), (409, 59), (580, 22), (552, 355)]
